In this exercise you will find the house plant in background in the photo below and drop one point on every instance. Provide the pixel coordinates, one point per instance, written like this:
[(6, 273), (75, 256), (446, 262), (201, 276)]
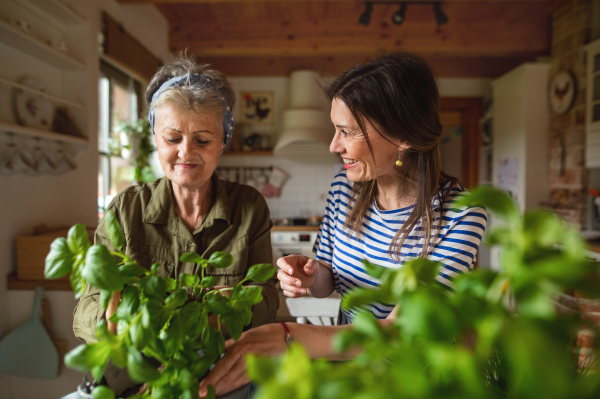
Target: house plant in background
[(526, 352), (140, 146), (162, 323)]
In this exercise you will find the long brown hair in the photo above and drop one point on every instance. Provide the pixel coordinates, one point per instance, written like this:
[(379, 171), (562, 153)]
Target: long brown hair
[(398, 95)]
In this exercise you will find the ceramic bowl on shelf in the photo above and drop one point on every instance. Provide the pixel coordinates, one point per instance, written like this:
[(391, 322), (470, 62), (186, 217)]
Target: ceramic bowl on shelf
[(32, 109)]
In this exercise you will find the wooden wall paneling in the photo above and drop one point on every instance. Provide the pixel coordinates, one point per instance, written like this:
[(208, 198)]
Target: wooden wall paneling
[(124, 49)]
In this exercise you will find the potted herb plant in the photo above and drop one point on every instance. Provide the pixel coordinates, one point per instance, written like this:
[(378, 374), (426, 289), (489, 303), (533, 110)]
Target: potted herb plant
[(139, 135), (159, 320)]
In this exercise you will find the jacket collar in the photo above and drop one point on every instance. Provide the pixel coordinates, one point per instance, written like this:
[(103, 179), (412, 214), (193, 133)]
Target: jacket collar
[(161, 209)]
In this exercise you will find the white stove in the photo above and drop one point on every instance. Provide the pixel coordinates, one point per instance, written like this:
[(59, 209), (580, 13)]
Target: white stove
[(297, 242)]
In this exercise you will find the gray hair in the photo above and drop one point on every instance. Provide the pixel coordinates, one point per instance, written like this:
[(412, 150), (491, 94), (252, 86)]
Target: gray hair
[(189, 97)]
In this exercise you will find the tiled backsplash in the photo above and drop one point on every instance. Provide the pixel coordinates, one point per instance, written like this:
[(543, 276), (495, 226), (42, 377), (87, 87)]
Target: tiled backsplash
[(305, 192)]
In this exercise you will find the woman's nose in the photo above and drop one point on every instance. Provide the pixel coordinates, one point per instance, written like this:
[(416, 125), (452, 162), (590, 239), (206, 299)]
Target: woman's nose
[(185, 148), (335, 146)]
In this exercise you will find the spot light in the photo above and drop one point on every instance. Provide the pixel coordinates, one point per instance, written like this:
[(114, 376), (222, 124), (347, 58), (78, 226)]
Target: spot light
[(440, 17), (398, 17), (365, 18)]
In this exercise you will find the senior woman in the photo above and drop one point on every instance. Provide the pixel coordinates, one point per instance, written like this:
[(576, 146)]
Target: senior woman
[(392, 203), (190, 209)]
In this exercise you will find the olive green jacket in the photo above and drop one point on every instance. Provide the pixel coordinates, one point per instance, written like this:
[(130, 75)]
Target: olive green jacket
[(238, 223)]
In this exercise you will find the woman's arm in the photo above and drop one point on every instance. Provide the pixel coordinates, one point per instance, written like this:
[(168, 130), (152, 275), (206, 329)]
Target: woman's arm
[(269, 340)]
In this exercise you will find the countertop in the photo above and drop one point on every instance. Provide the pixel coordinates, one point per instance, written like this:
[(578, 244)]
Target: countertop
[(295, 228)]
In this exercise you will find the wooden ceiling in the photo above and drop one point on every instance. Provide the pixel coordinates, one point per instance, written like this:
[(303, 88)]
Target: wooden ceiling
[(482, 38)]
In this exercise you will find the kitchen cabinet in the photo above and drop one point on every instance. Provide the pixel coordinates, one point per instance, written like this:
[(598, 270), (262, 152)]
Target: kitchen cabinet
[(592, 122), (45, 41)]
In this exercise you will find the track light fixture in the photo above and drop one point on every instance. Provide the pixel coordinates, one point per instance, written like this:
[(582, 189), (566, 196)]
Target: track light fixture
[(365, 17), (440, 17), (398, 17)]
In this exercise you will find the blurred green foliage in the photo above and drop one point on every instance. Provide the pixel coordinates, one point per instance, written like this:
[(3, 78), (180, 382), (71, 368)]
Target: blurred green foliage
[(523, 351)]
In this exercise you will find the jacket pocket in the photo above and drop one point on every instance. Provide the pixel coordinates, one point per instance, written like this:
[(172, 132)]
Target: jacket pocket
[(238, 249), (146, 255)]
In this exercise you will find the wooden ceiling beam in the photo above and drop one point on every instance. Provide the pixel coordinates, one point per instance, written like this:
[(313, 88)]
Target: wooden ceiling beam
[(317, 1), (334, 65)]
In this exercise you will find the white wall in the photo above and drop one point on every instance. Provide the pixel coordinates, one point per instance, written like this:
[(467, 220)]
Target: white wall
[(26, 201)]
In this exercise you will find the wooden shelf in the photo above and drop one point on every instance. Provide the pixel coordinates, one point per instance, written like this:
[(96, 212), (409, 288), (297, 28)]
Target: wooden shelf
[(36, 48), (237, 153), (13, 283), (59, 11), (44, 134), (43, 94)]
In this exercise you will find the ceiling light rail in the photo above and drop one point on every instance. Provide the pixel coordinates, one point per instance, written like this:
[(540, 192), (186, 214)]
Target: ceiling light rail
[(398, 17)]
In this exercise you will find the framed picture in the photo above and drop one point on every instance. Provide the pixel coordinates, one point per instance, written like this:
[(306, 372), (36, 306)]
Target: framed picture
[(257, 108)]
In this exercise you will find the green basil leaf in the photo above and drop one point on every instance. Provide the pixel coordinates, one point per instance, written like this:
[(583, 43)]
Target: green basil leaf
[(211, 393), (154, 268), (372, 269), (103, 334), (113, 228), (197, 292), (208, 282), (154, 287), (189, 280), (220, 260), (249, 295), (174, 335), (140, 336), (234, 325), (172, 284), (85, 357), (59, 260), (177, 299), (119, 355), (209, 341), (132, 270), (201, 365), (218, 304), (101, 269), (78, 239), (496, 201), (139, 369), (261, 272), (77, 282), (194, 319), (191, 257), (103, 392), (105, 296), (130, 303), (154, 316)]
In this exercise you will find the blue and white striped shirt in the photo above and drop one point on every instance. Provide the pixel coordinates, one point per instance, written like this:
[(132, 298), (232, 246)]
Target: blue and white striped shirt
[(456, 246)]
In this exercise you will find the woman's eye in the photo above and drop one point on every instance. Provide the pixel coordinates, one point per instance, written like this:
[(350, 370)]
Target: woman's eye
[(172, 141), (201, 142), (345, 133)]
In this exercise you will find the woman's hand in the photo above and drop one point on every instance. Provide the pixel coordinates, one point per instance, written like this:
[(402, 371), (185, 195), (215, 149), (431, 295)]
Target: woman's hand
[(297, 274), (112, 308), (230, 372)]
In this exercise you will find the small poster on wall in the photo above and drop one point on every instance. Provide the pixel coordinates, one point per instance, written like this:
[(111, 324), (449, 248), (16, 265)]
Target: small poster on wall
[(257, 108)]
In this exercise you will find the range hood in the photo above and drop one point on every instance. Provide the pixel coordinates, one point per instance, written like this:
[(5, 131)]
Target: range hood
[(306, 122)]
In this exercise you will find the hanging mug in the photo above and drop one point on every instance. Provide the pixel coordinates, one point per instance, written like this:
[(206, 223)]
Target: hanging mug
[(16, 160)]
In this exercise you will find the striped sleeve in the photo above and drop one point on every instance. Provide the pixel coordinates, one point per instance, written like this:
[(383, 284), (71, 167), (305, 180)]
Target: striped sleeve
[(459, 242)]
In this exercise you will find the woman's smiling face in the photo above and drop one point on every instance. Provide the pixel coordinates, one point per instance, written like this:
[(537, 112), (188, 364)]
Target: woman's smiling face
[(188, 145), (352, 146)]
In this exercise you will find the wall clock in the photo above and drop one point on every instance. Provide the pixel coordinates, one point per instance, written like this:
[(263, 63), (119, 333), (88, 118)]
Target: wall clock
[(563, 92)]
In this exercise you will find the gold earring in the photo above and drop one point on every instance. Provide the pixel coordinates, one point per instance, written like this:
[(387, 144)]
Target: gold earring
[(399, 161)]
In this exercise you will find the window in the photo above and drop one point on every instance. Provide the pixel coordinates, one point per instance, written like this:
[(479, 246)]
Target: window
[(120, 100)]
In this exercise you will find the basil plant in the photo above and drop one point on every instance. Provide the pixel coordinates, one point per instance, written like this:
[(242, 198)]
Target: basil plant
[(158, 319)]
